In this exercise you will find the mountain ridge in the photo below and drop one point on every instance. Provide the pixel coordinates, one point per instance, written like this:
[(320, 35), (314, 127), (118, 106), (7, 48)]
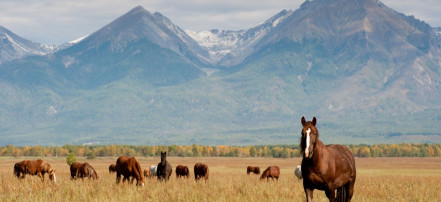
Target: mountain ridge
[(364, 70)]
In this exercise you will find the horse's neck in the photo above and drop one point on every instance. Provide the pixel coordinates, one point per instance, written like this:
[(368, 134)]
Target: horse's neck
[(319, 150)]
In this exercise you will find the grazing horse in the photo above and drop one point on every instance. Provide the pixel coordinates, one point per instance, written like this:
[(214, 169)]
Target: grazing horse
[(112, 168), (153, 170), (252, 169), (327, 168), (82, 170), (164, 169), (182, 171), (201, 171), (129, 167), (34, 167), (146, 173), (271, 172)]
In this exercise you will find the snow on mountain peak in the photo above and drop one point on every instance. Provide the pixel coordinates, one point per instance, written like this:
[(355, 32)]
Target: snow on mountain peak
[(234, 43)]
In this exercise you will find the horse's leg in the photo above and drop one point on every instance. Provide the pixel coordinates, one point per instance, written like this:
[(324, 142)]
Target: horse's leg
[(118, 177), (330, 193), (349, 189), (41, 176), (309, 195)]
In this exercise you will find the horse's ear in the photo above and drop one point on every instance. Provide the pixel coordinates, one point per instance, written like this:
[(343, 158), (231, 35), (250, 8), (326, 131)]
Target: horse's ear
[(165, 153), (303, 121), (314, 121)]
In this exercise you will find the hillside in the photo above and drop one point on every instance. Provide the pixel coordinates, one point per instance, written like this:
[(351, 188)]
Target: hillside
[(368, 73)]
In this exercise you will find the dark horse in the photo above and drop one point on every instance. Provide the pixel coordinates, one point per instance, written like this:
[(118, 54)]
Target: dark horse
[(82, 170), (327, 168), (252, 169), (129, 167), (34, 167), (112, 168), (182, 171), (164, 169), (201, 171)]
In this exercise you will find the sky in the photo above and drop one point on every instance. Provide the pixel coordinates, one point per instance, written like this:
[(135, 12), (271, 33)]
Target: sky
[(60, 21)]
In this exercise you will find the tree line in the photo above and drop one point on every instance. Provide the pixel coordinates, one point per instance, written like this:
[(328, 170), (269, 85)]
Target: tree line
[(275, 151)]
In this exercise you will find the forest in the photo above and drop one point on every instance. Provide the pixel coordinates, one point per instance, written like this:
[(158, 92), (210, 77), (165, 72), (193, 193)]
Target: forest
[(275, 151)]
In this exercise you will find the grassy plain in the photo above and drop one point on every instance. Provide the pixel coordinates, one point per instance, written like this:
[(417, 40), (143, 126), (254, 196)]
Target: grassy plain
[(378, 179)]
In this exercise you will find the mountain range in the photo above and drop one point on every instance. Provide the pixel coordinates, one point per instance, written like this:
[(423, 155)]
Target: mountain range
[(368, 73)]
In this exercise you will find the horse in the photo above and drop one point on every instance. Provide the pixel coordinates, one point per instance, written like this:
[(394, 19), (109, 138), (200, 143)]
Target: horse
[(112, 168), (164, 169), (82, 170), (298, 172), (153, 170), (129, 167), (182, 171), (146, 173), (327, 168), (201, 171), (252, 169), (34, 167), (271, 172)]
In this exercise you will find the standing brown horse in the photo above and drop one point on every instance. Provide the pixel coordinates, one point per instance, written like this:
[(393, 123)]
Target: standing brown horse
[(271, 172), (327, 168), (201, 171), (252, 169), (82, 170), (182, 171), (34, 167), (129, 167)]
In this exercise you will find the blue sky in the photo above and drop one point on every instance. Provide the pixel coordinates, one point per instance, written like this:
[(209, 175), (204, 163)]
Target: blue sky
[(60, 21)]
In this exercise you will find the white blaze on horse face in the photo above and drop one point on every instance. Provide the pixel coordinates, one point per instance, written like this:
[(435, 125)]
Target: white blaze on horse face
[(307, 142)]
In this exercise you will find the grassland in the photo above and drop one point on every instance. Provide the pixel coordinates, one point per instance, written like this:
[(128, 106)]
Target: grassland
[(378, 179)]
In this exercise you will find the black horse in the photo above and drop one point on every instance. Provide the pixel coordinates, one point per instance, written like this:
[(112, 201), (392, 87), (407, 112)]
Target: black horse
[(164, 168)]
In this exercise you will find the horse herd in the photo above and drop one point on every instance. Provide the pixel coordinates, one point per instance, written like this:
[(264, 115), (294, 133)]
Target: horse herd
[(329, 168)]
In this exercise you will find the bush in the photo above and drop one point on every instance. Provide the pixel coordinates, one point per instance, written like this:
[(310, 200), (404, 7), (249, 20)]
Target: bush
[(91, 155), (70, 158)]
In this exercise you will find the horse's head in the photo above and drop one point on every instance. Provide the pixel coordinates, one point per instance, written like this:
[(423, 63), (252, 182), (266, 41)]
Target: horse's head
[(163, 157), (309, 137), (52, 176)]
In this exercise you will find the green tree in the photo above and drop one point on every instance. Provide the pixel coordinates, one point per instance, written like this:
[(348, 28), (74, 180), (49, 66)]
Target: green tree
[(70, 158), (91, 155)]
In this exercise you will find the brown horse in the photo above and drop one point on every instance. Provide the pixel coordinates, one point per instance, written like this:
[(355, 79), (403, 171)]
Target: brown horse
[(182, 171), (146, 173), (201, 171), (82, 170), (129, 167), (327, 168), (112, 168), (252, 169), (34, 167), (271, 172)]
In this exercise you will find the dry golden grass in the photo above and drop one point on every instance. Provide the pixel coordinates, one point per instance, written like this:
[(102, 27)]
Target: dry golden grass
[(378, 179)]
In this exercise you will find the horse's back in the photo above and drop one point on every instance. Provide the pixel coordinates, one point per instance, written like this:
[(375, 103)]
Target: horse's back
[(343, 155)]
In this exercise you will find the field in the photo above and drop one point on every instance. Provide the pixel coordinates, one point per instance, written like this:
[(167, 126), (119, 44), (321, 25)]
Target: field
[(378, 179)]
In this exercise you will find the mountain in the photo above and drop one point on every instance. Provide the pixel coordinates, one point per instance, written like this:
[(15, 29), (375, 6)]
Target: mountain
[(368, 73), (13, 46), (138, 43)]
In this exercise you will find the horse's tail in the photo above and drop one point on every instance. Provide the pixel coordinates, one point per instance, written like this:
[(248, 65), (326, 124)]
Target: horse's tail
[(342, 192)]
